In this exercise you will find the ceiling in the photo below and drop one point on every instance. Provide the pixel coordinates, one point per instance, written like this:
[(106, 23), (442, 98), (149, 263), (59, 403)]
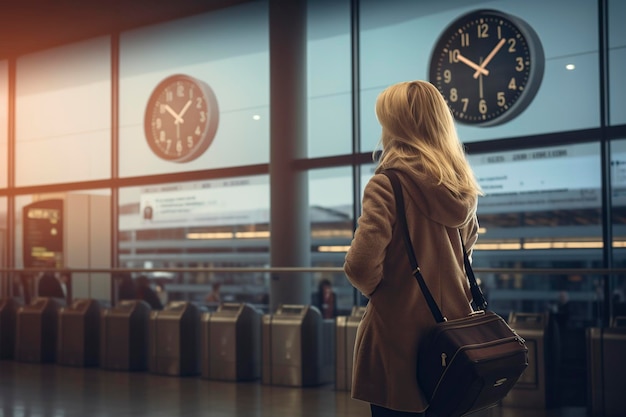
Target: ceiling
[(31, 25)]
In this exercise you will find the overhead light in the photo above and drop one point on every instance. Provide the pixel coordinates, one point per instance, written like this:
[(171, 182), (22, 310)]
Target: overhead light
[(333, 248), (228, 235), (256, 117), (570, 67), (498, 246), (210, 235), (252, 235), (321, 234), (546, 245)]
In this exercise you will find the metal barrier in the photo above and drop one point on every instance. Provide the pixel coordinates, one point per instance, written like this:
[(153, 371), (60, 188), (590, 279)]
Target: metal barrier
[(345, 336), (606, 369), (535, 388), (124, 336), (36, 335), (293, 347), (8, 318), (79, 334), (231, 343), (175, 340)]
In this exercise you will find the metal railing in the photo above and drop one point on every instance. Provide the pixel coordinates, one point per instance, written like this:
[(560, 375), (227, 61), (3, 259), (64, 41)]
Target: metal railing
[(533, 271), (598, 288)]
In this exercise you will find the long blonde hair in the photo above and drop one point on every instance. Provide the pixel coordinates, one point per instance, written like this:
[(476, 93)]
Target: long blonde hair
[(419, 133)]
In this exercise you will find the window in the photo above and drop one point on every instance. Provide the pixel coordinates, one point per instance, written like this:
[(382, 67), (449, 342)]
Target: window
[(330, 199), (63, 114), (4, 121), (397, 38), (213, 223), (227, 50), (67, 230), (617, 61), (330, 84)]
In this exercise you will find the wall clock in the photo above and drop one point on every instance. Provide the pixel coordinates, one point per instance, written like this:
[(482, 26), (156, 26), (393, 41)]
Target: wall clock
[(488, 65), (181, 118)]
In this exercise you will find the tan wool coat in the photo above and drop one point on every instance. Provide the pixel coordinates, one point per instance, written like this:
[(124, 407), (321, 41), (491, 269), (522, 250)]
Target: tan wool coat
[(397, 316)]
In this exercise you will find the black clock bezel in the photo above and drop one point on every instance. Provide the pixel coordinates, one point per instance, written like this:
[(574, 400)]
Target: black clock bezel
[(208, 133), (536, 56)]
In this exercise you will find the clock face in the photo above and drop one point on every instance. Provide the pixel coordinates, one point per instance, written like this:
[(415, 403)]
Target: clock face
[(181, 118), (488, 66)]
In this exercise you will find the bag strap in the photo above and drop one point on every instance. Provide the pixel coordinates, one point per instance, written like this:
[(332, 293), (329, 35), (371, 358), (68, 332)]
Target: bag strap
[(401, 218), (477, 294)]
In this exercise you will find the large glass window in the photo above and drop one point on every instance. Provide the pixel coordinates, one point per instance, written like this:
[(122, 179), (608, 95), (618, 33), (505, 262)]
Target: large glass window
[(534, 215), (66, 230), (226, 51), (329, 80), (398, 38), (330, 199), (4, 121), (618, 181), (4, 278), (213, 223), (63, 114), (617, 62)]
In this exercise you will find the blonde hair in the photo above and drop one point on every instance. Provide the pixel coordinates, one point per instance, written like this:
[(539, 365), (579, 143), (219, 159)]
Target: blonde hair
[(418, 127)]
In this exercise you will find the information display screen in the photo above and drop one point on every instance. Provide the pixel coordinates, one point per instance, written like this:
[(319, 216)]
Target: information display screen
[(554, 178), (43, 234), (209, 203)]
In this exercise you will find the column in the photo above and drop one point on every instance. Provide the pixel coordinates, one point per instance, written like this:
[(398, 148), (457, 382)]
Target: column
[(290, 244)]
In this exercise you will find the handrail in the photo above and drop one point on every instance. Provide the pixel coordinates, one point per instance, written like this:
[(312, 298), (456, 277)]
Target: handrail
[(551, 271)]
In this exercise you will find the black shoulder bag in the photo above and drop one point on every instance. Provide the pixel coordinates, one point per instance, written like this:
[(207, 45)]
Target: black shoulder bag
[(466, 364)]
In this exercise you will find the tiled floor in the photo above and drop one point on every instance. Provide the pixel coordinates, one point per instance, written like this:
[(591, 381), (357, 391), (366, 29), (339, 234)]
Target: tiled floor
[(50, 390)]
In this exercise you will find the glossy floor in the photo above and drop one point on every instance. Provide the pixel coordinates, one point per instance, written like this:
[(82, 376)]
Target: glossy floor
[(50, 390)]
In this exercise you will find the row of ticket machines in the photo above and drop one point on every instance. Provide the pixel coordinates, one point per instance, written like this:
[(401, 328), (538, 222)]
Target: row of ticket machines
[(292, 347)]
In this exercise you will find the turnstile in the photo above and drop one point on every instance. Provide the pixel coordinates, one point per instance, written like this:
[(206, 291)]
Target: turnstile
[(345, 336), (606, 369), (8, 318), (535, 388), (231, 343), (175, 339), (79, 333), (124, 336), (297, 347), (36, 334)]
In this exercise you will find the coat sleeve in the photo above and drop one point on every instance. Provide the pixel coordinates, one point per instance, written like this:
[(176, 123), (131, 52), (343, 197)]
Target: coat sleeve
[(364, 261)]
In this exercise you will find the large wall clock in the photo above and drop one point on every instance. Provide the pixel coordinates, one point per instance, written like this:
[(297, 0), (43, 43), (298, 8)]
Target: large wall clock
[(488, 65), (181, 118)]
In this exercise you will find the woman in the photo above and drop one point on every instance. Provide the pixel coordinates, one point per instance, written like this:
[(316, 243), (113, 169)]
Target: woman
[(419, 141), (326, 299), (214, 296)]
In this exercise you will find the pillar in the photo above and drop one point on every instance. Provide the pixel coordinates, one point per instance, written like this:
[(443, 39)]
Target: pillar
[(290, 244)]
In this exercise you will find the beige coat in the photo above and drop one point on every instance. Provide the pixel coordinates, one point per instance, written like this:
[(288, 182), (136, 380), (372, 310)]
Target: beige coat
[(397, 316)]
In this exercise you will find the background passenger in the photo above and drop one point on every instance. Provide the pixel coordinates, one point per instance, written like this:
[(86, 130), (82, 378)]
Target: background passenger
[(147, 294), (326, 299)]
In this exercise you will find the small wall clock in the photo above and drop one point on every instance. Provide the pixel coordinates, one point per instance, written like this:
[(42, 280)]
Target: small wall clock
[(181, 118), (488, 65)]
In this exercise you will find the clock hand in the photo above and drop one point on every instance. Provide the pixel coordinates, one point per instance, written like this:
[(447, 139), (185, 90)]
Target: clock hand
[(480, 86), (184, 110), (472, 65), (489, 57), (173, 113)]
